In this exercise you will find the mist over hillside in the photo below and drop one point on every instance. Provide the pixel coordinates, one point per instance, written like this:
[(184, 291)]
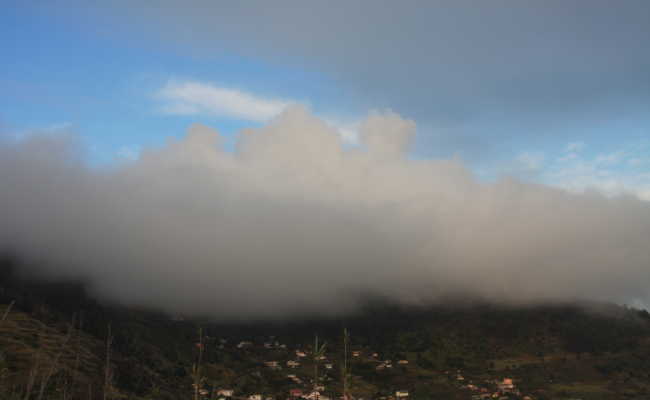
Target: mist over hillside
[(294, 222), (335, 200), (551, 351)]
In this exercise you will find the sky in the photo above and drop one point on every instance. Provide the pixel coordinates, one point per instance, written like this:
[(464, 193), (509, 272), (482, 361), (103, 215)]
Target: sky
[(537, 106), (556, 91)]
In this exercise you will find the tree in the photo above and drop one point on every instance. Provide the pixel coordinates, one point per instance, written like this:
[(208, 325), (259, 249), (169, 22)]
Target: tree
[(108, 371), (197, 375), (345, 368), (319, 351)]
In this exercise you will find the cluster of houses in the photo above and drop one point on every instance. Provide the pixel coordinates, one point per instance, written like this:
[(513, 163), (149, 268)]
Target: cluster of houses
[(294, 394), (226, 394), (499, 389), (389, 364), (274, 345), (312, 395), (272, 364), (275, 365), (245, 344), (491, 389), (383, 365), (295, 379)]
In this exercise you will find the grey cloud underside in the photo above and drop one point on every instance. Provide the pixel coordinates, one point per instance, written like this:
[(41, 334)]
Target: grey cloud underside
[(495, 68), (293, 223)]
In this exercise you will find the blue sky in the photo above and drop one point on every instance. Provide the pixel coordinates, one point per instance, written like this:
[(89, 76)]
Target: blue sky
[(568, 106), (60, 76)]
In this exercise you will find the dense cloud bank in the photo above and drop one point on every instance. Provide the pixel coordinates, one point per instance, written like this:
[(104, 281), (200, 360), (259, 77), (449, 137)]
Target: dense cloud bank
[(294, 222)]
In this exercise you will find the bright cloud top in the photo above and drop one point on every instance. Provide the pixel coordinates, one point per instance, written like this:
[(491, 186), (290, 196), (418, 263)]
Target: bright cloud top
[(293, 222), (191, 98), (205, 98)]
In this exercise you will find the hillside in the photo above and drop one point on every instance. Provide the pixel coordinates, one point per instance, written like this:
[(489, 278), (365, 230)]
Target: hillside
[(54, 346)]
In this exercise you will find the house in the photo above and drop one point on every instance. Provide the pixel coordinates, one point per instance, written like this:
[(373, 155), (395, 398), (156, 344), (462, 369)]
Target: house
[(403, 362), (380, 367), (295, 392), (272, 364), (255, 397), (244, 344), (293, 364), (506, 385), (315, 395), (301, 353), (225, 392), (356, 353), (329, 366), (460, 378), (400, 394)]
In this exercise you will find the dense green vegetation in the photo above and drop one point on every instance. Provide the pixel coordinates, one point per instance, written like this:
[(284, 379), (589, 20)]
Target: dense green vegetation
[(55, 342)]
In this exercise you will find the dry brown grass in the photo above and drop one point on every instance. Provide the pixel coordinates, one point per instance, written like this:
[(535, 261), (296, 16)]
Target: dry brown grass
[(41, 358)]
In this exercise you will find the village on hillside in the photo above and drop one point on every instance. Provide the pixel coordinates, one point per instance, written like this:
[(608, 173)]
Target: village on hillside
[(309, 372)]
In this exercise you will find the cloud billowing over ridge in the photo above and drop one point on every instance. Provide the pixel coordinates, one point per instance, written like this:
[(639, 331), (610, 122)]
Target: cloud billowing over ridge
[(293, 222)]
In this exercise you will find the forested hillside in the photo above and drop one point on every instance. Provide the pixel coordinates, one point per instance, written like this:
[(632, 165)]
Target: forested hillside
[(57, 342)]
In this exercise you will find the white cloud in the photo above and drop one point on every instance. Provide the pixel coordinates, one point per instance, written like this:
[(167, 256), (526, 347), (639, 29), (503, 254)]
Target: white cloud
[(195, 98), (292, 222), (613, 173), (530, 161), (611, 158), (204, 98), (619, 171), (53, 128), (347, 129), (128, 153), (574, 147)]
